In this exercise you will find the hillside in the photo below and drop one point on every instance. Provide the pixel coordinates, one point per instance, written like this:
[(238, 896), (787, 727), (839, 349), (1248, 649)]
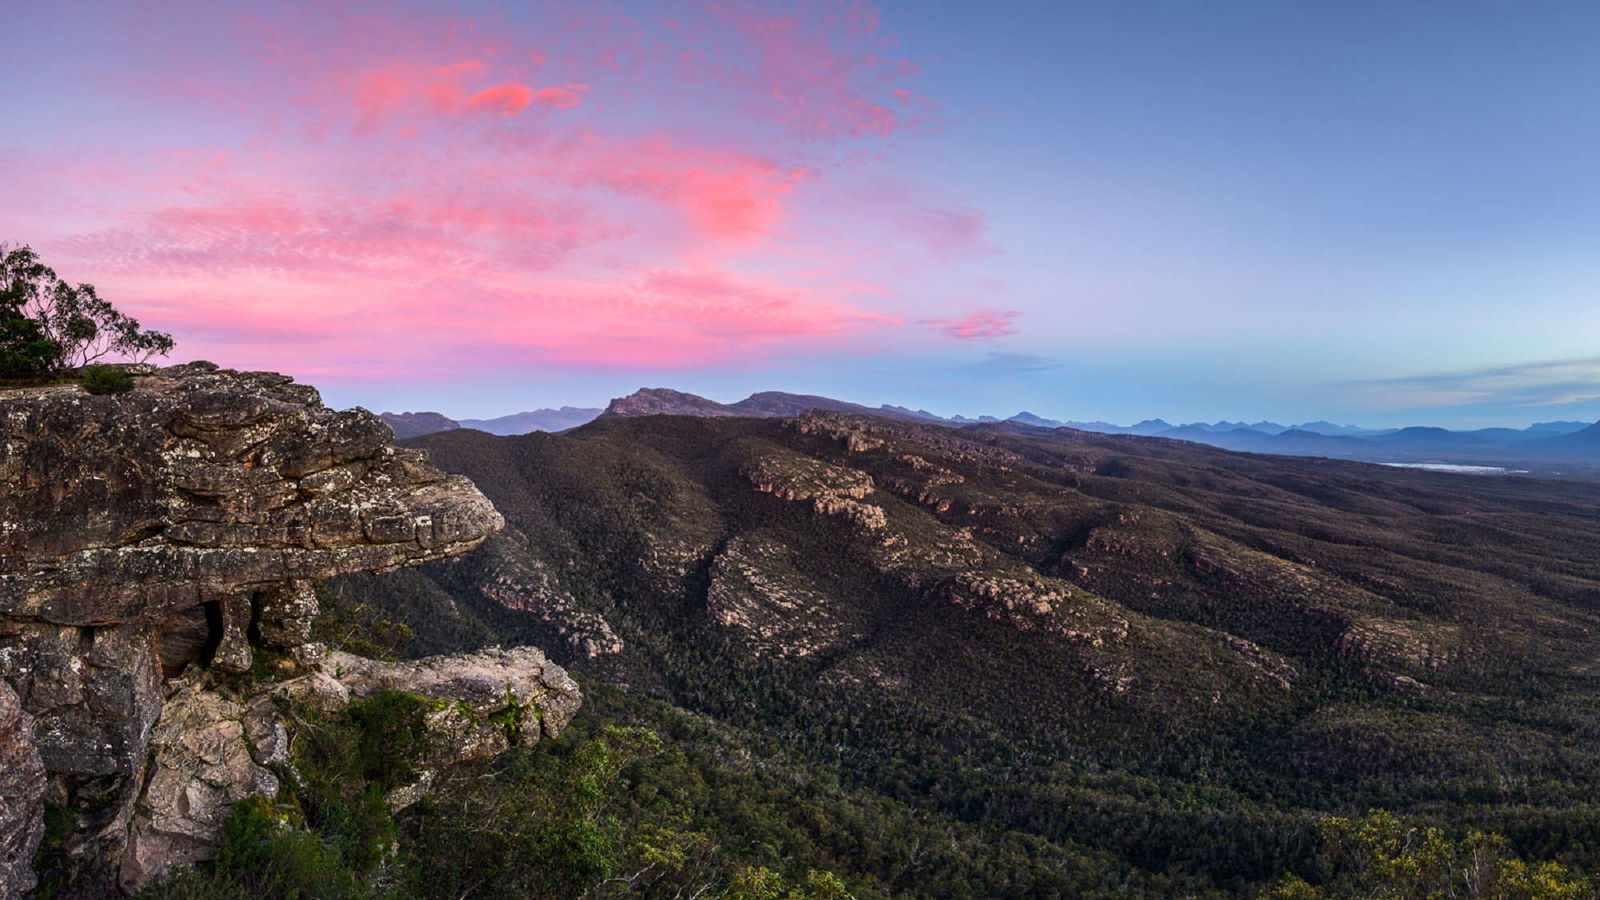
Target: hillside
[(1170, 657), (417, 424)]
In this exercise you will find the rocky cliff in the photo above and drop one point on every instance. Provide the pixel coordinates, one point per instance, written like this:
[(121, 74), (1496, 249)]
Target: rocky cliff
[(156, 551)]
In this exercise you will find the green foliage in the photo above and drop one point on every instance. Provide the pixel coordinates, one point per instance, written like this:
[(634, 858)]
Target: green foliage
[(106, 380), (761, 883), (50, 863), (542, 826), (48, 325), (265, 856), (358, 628), (349, 762), (338, 841), (935, 752), (1385, 857)]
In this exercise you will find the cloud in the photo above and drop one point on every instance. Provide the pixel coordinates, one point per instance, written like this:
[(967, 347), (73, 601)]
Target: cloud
[(505, 99), (1546, 383), (822, 68), (651, 320), (979, 324), (949, 233), (370, 188), (567, 96)]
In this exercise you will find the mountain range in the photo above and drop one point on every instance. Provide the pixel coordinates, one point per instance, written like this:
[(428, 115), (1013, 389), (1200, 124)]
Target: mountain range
[(1546, 448), (417, 424)]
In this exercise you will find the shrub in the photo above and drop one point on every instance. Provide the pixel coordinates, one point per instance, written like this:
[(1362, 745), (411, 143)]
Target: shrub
[(1382, 855), (264, 857), (106, 380)]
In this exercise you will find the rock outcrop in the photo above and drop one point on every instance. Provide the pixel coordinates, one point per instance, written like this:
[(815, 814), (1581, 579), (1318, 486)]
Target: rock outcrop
[(152, 543), (210, 749), (22, 787)]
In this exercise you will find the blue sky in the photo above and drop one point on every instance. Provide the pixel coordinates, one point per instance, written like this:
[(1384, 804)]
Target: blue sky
[(1374, 212)]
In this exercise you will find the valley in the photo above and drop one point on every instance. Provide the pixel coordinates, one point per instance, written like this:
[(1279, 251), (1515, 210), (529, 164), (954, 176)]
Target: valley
[(1173, 659)]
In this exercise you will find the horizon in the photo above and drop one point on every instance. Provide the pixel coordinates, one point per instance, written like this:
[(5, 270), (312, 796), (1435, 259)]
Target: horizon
[(1094, 210), (1291, 422)]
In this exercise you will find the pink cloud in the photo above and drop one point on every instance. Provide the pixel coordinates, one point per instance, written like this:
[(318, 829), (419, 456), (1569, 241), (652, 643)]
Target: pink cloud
[(382, 189), (654, 319), (820, 68), (983, 323), (949, 232), (567, 96), (504, 99), (727, 196), (407, 91)]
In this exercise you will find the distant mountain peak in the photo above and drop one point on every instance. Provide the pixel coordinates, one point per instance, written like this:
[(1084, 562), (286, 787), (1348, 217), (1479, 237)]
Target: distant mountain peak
[(417, 424), (760, 405), (664, 402), (535, 420)]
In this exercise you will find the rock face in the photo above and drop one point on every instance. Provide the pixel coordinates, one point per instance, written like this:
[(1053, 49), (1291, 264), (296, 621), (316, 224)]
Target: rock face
[(154, 540), (209, 749), (22, 787)]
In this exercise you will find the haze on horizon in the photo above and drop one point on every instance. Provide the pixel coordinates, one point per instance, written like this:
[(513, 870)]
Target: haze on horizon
[(1372, 213)]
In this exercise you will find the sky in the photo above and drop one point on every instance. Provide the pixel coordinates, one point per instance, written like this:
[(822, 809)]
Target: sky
[(1369, 212)]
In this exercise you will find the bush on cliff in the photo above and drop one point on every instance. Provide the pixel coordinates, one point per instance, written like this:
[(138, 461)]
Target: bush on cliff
[(106, 380), (48, 326), (265, 856)]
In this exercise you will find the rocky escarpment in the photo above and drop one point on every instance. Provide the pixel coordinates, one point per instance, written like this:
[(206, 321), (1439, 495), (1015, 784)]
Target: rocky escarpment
[(214, 746), (22, 788), (155, 548)]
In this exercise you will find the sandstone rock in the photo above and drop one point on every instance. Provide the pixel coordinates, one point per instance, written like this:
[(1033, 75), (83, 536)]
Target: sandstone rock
[(487, 683), (832, 490), (157, 535), (774, 608), (131, 508), (201, 762), (208, 751), (521, 581), (285, 613), (22, 787)]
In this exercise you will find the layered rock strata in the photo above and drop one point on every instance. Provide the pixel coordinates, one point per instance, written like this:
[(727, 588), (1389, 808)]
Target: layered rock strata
[(152, 545)]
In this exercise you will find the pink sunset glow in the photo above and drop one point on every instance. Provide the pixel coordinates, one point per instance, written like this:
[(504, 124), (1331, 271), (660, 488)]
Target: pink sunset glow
[(984, 323), (354, 189)]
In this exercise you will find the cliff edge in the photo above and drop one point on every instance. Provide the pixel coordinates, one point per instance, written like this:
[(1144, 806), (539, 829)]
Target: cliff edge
[(153, 546)]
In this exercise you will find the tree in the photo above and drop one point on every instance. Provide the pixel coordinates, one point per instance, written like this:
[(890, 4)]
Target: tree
[(48, 325), (1384, 857)]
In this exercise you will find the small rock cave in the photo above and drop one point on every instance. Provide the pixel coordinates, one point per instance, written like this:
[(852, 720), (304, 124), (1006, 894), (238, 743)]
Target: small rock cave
[(189, 636)]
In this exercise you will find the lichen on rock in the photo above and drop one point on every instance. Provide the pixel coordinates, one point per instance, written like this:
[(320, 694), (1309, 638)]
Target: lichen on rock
[(22, 789), (152, 544)]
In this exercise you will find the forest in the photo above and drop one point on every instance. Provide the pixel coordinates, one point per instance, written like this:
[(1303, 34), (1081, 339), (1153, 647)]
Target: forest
[(1052, 664)]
